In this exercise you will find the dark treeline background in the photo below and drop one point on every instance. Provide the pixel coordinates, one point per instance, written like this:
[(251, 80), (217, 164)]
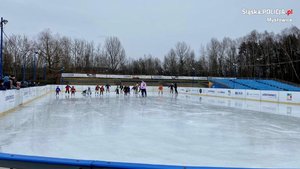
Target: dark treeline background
[(256, 55)]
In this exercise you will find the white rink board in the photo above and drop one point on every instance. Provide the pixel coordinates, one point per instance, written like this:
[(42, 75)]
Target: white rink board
[(12, 98), (253, 94), (259, 95), (267, 95), (289, 97)]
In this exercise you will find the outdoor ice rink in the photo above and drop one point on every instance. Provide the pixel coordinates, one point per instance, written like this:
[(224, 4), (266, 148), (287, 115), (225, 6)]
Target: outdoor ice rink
[(168, 129)]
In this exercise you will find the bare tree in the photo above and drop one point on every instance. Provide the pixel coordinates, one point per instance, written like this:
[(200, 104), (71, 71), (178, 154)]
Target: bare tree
[(49, 48), (18, 48), (170, 63), (114, 53), (257, 54), (182, 51), (212, 52)]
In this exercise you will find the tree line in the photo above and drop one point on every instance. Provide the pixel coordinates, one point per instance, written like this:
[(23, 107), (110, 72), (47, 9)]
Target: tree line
[(255, 55)]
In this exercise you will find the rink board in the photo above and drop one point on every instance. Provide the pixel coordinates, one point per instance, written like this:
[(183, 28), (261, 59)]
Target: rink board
[(14, 98), (35, 162), (11, 99), (257, 95)]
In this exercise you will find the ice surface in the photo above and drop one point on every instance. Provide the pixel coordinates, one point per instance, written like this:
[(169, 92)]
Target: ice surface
[(185, 130)]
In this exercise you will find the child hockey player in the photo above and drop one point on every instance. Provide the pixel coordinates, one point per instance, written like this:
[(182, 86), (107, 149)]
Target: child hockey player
[(97, 88), (175, 87), (101, 90), (121, 88), (84, 92), (68, 89), (107, 87), (89, 91), (126, 90), (73, 90), (171, 88), (57, 90), (160, 89), (117, 90), (137, 86)]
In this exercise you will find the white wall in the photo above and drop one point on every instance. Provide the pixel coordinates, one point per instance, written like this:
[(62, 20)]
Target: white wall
[(10, 99), (260, 95)]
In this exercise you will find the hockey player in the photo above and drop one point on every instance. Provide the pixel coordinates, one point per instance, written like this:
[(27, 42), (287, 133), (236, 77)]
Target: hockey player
[(97, 88), (134, 89), (107, 87), (89, 91), (160, 89), (137, 86), (126, 90), (117, 90), (101, 90), (121, 88), (73, 90), (84, 92), (57, 90), (175, 87), (143, 89), (171, 88), (68, 87)]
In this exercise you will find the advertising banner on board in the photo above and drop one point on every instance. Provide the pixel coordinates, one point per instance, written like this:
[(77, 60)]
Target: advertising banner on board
[(222, 92), (9, 99), (253, 94), (268, 95), (239, 93), (26, 94), (289, 97)]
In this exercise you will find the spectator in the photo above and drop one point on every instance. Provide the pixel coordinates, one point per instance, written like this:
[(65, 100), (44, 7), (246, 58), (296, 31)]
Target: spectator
[(6, 82), (18, 85), (5, 78), (13, 82), (2, 87), (24, 84)]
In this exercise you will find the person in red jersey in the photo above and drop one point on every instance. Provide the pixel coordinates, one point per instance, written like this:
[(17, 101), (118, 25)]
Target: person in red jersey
[(101, 90), (73, 90), (68, 89), (160, 89), (97, 88)]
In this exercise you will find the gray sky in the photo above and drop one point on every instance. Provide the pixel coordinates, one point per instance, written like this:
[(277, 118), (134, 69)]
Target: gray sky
[(144, 27)]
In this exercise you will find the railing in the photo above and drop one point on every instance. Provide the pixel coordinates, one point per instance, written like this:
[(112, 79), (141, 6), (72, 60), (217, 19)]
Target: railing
[(33, 162)]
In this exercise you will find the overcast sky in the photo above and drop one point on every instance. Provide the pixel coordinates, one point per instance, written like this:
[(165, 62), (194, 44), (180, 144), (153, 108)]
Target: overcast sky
[(144, 27)]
